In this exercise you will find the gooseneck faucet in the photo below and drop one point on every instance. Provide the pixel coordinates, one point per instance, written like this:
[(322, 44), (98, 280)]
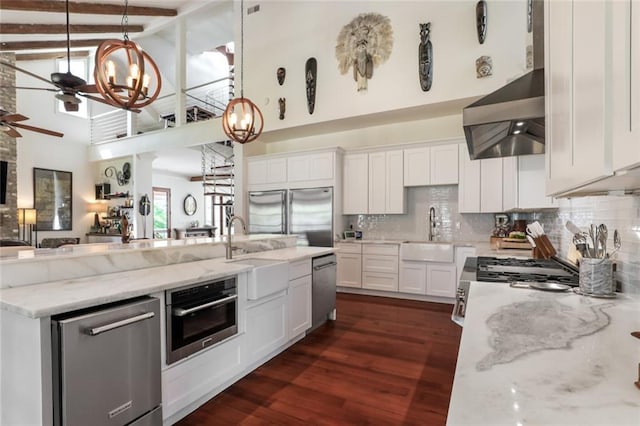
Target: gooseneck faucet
[(229, 224), (432, 223)]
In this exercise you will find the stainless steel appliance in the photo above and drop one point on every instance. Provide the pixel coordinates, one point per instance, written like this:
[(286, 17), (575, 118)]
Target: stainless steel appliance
[(199, 316), (323, 288), (511, 120), (106, 365), (307, 213), (508, 271)]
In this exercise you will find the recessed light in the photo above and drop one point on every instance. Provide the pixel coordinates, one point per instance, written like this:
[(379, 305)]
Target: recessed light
[(520, 123), (515, 132)]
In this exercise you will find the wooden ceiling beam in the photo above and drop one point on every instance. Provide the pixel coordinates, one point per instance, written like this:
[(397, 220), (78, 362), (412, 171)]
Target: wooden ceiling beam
[(88, 8), (14, 46), (51, 55), (62, 29)]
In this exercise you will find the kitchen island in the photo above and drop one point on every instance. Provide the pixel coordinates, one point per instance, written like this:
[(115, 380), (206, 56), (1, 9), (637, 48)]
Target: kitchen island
[(533, 357)]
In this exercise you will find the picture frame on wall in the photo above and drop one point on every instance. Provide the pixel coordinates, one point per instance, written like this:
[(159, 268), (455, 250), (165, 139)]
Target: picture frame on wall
[(52, 195)]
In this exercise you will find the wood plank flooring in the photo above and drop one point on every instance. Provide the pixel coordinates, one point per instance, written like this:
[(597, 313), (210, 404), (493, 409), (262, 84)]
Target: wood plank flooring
[(382, 362)]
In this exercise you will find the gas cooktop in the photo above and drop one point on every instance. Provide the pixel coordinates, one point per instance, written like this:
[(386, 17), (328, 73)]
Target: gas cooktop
[(507, 270)]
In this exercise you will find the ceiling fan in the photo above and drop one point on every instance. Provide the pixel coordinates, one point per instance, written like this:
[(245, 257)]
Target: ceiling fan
[(8, 124), (67, 84)]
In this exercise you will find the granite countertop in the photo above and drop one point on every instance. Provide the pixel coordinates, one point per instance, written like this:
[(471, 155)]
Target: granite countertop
[(530, 357), (51, 298), (483, 248)]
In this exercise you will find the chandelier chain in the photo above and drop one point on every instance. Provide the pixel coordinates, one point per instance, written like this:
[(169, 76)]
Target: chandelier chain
[(68, 41), (242, 48), (125, 21)]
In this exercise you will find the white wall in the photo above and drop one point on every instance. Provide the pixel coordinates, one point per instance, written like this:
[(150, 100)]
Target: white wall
[(286, 34), (180, 188)]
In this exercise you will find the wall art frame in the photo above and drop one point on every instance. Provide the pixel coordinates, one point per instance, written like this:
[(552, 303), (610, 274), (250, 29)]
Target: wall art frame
[(53, 199)]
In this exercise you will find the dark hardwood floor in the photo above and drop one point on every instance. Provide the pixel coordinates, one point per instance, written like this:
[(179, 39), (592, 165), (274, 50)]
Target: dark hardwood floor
[(382, 362)]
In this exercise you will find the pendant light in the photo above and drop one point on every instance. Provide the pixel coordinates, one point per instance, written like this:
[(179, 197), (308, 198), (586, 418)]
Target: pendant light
[(242, 120), (134, 92)]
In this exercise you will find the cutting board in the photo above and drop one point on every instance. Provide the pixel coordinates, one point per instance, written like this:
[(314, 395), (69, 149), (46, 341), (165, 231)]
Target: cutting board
[(509, 243)]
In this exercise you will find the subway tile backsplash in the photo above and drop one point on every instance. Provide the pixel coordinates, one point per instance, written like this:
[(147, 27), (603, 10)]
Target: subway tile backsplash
[(617, 212)]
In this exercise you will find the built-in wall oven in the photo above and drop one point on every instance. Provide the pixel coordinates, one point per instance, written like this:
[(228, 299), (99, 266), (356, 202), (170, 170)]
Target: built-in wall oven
[(199, 316)]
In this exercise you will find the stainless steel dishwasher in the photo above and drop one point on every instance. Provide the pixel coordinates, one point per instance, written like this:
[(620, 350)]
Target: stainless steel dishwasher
[(323, 291), (106, 365)]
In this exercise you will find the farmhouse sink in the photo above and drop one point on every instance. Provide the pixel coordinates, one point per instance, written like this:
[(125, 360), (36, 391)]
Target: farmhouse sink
[(267, 276), (427, 251)]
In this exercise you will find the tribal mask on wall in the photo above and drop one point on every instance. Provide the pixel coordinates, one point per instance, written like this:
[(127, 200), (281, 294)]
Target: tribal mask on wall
[(364, 43)]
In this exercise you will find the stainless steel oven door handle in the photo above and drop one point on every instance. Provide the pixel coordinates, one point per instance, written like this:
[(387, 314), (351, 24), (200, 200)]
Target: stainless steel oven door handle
[(326, 265), (122, 323), (179, 312)]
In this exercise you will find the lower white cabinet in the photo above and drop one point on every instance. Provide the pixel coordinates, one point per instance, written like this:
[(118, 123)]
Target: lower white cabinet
[(380, 267), (413, 278), (299, 306), (349, 270), (380, 281), (441, 279), (266, 326)]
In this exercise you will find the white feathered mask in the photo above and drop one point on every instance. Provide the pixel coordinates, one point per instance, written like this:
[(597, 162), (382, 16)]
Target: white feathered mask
[(364, 43)]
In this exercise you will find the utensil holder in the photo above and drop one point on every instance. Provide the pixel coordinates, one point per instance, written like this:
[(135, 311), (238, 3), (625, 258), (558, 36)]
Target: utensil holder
[(596, 276)]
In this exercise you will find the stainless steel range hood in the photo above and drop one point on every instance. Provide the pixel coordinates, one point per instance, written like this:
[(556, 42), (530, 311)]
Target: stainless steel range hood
[(510, 121)]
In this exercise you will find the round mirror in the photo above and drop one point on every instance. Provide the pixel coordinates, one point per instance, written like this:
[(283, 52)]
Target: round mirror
[(190, 205)]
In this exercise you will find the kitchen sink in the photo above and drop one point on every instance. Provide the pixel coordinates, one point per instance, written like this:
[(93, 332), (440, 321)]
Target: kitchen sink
[(427, 251), (267, 276)]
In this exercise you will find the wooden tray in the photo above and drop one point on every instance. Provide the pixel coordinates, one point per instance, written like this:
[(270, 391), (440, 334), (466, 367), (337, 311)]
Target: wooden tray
[(509, 243)]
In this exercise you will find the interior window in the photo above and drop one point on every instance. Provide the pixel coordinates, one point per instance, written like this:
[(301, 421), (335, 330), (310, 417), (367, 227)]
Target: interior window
[(161, 213), (79, 68)]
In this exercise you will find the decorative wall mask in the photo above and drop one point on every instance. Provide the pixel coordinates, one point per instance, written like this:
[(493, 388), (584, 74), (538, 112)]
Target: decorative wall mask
[(282, 105), (281, 74), (311, 78), (364, 43), (481, 20), (425, 57), (484, 66)]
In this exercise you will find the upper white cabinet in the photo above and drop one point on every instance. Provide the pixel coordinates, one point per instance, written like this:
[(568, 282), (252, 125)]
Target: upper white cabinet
[(469, 184), (625, 108), (267, 171), (373, 183), (355, 184), (523, 187), (491, 180), (310, 167), (436, 165), (592, 95)]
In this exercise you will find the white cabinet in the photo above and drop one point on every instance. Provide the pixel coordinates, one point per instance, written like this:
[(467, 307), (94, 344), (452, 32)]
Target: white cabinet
[(530, 175), (480, 186), (267, 171), (266, 326), (413, 277), (577, 79), (311, 167), (461, 257), (380, 267), (441, 280), (625, 76), (436, 165), (373, 183), (349, 269), (386, 187), (299, 306), (469, 182), (491, 185), (356, 184)]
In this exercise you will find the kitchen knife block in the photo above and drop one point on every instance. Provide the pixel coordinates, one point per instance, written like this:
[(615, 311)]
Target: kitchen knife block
[(543, 249)]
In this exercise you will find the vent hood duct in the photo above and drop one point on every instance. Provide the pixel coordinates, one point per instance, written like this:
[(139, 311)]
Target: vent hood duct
[(510, 121)]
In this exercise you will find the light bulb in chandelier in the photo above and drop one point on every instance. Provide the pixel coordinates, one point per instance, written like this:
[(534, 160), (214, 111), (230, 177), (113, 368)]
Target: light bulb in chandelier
[(250, 123)]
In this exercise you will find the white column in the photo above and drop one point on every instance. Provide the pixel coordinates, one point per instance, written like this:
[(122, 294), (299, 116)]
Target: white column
[(181, 72)]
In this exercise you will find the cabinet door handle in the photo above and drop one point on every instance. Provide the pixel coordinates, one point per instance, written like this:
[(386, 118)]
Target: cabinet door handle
[(179, 312), (97, 330)]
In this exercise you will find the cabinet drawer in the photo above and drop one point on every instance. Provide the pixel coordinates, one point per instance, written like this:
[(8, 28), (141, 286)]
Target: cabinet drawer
[(380, 281), (349, 248), (299, 268), (382, 249), (375, 263)]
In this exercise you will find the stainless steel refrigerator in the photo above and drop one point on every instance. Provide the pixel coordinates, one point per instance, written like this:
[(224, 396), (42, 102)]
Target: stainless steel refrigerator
[(308, 213)]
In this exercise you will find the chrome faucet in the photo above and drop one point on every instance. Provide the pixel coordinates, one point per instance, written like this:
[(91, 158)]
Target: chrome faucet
[(244, 230), (432, 223)]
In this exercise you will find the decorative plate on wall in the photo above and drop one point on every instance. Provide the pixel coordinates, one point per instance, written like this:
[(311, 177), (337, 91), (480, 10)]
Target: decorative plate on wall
[(190, 205)]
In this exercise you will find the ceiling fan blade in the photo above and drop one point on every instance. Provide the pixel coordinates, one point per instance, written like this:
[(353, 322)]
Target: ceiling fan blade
[(88, 88), (13, 133), (28, 88), (38, 129), (13, 117), (101, 100), (7, 64)]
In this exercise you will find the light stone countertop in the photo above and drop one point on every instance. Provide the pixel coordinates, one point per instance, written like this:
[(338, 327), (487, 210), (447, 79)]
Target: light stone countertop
[(529, 357), (51, 298)]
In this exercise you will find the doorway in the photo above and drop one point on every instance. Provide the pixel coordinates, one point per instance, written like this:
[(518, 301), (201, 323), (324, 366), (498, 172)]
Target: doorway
[(161, 213)]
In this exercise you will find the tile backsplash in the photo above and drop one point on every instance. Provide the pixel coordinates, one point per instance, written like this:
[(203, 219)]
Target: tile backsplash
[(617, 212)]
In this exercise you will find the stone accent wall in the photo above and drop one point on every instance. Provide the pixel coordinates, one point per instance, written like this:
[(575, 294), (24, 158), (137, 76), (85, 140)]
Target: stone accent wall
[(8, 211)]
